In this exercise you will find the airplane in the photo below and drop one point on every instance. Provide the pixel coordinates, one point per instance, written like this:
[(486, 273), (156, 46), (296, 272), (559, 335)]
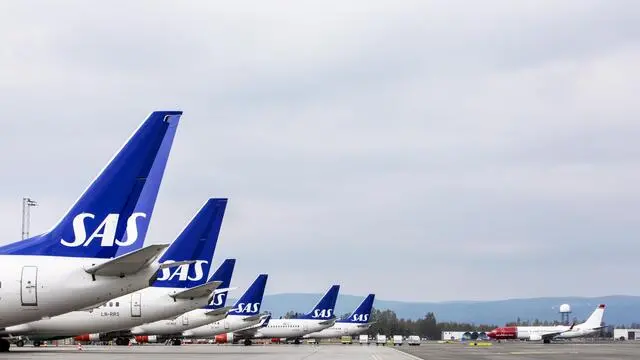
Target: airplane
[(173, 292), (319, 318), (244, 314), (548, 333), (94, 251), (354, 324), (171, 329)]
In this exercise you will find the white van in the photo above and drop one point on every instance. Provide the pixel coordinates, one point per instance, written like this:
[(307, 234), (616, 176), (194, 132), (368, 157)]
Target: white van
[(413, 340), (363, 339), (381, 340), (397, 340)]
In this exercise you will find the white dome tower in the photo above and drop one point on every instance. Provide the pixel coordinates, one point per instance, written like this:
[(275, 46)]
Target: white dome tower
[(565, 311)]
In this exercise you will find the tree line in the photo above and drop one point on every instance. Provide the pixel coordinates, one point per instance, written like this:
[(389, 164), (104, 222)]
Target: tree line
[(387, 322)]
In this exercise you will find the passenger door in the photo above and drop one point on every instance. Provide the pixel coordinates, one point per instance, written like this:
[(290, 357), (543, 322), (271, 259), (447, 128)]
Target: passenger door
[(29, 286), (136, 304), (185, 320)]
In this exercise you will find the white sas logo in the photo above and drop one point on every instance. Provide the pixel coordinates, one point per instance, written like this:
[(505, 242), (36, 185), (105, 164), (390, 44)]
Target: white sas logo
[(248, 307), (106, 231), (324, 313), (182, 271), (360, 317)]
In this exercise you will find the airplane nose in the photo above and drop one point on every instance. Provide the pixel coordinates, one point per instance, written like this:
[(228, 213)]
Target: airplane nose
[(491, 334)]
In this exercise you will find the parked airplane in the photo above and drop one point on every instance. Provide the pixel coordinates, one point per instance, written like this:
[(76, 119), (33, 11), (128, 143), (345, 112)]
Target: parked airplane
[(171, 329), (319, 318), (548, 333), (244, 314), (354, 324), (93, 253), (174, 292)]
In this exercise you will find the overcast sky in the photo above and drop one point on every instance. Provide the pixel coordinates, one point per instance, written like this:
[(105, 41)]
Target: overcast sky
[(393, 147)]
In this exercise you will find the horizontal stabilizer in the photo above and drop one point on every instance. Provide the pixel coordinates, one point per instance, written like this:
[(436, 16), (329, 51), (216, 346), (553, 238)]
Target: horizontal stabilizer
[(251, 318), (127, 264), (218, 312), (329, 322), (366, 325), (176, 264), (198, 291)]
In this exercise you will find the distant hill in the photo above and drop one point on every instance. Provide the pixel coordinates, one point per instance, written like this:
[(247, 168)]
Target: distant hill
[(621, 309)]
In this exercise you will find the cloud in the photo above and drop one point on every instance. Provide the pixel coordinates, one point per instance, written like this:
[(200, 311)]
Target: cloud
[(370, 143)]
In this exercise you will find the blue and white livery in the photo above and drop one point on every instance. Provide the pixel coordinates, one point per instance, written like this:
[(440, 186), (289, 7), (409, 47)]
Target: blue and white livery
[(244, 314), (94, 252), (354, 324), (319, 318), (174, 292)]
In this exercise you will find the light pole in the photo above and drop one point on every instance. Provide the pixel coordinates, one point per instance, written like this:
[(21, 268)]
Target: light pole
[(27, 203)]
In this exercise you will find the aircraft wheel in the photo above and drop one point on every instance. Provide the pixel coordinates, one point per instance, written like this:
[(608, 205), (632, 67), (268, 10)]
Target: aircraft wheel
[(4, 345), (36, 343), (247, 342), (176, 342), (296, 341), (547, 341), (20, 343)]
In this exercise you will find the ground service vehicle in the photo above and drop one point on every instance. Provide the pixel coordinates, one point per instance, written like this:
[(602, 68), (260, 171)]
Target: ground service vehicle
[(381, 339), (397, 340), (364, 339), (413, 340)]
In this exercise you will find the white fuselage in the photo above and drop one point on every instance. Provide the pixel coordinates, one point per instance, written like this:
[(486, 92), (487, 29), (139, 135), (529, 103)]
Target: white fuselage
[(533, 332), (122, 313), (36, 287), (230, 324), (190, 320), (527, 332), (338, 330), (290, 328)]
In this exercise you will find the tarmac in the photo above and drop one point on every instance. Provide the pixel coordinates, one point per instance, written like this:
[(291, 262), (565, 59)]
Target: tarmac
[(430, 350), (526, 351)]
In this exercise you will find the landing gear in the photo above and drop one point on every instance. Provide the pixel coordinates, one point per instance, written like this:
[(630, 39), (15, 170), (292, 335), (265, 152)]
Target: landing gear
[(4, 345), (20, 343), (296, 341), (247, 342), (36, 343), (547, 341), (176, 342), (122, 341)]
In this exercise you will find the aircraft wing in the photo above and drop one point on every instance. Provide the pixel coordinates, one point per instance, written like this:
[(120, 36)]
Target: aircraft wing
[(220, 311), (551, 335), (127, 264), (197, 291)]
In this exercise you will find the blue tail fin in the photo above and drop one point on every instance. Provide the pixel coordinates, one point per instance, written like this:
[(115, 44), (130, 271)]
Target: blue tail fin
[(249, 303), (112, 216), (362, 313), (196, 242), (223, 274), (324, 308)]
